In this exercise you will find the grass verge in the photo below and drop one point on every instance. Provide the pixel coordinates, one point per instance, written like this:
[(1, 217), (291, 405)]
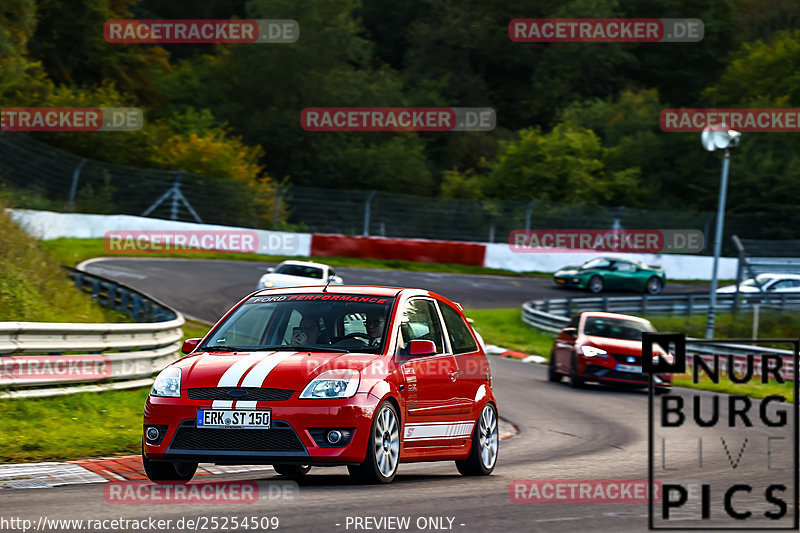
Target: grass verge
[(504, 327)]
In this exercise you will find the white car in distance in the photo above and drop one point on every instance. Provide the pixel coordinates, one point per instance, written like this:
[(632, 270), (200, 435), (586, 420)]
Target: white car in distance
[(769, 283), (298, 274)]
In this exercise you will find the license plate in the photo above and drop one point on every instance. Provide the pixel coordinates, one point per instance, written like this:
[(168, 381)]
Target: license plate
[(233, 419), (629, 368), (561, 281)]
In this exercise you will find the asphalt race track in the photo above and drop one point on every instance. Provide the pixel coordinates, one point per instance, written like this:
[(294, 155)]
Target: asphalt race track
[(179, 283), (564, 433)]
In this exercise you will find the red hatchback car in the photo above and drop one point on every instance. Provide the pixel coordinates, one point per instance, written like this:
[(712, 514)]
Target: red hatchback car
[(603, 347), (367, 377)]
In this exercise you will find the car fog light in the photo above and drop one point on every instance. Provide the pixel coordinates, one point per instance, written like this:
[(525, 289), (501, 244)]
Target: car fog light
[(152, 433), (334, 436)]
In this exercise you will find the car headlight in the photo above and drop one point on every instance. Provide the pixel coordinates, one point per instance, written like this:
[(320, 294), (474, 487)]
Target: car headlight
[(267, 283), (593, 351), (168, 383), (333, 384)]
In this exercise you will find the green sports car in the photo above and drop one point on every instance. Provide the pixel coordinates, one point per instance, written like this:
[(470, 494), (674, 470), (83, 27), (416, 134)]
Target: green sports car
[(603, 273)]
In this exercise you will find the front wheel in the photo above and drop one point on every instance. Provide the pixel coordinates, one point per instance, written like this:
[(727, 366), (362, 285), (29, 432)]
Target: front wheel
[(596, 284), (168, 471), (383, 449), (654, 286), (485, 444)]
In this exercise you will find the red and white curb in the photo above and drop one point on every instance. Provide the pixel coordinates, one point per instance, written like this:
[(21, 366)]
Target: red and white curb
[(491, 349), (125, 468)]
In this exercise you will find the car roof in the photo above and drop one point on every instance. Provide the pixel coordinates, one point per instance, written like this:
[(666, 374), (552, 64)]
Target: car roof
[(775, 276), (603, 314), (302, 263), (339, 289)]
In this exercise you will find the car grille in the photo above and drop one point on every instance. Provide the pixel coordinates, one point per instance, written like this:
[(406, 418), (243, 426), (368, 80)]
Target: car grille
[(252, 393), (280, 438), (624, 359)]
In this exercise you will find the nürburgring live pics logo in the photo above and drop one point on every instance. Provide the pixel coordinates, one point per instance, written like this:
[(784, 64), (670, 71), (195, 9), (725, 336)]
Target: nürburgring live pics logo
[(740, 452)]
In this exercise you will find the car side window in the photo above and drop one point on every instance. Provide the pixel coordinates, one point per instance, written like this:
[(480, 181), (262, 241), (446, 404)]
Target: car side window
[(419, 320), (461, 339), (625, 267)]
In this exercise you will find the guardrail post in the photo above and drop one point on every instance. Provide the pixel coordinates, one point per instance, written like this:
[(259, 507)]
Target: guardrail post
[(569, 307), (96, 287), (112, 295), (689, 305), (546, 308), (124, 300), (605, 303), (644, 304), (137, 306)]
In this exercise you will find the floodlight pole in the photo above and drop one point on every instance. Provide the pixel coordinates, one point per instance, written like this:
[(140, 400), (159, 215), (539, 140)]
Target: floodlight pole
[(712, 300)]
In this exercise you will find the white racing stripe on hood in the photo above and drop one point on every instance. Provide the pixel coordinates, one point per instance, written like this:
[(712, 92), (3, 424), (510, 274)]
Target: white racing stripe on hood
[(232, 376), (256, 377)]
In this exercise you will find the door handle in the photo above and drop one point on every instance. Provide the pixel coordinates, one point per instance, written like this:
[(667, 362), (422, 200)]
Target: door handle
[(454, 375)]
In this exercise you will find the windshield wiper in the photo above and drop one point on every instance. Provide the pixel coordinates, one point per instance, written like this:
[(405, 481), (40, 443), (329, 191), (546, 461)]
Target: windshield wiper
[(223, 348), (301, 348)]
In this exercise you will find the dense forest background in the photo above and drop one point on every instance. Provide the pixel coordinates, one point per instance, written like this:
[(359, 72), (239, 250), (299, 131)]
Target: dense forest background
[(576, 123)]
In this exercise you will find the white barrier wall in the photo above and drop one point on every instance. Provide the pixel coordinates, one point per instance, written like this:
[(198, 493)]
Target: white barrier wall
[(676, 266), (47, 225)]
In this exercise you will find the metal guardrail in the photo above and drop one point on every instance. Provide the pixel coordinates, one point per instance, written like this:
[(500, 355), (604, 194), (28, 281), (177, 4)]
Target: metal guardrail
[(544, 316), (671, 304), (123, 355)]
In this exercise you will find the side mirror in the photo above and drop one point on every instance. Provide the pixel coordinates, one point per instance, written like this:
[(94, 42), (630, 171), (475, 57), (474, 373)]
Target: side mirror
[(189, 345), (419, 347), (572, 332), (270, 270)]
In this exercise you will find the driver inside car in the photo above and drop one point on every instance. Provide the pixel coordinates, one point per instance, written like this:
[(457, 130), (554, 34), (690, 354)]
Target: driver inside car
[(308, 332), (374, 324)]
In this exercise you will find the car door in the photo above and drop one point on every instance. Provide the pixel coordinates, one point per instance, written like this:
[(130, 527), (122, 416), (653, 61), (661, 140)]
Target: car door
[(431, 392), (473, 368), (622, 275)]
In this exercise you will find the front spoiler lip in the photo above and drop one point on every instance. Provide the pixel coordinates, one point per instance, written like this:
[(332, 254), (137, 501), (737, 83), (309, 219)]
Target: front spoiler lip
[(237, 458)]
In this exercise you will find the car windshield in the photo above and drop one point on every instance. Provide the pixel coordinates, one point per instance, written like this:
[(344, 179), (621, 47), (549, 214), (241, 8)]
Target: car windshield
[(596, 263), (753, 282), (315, 322), (616, 328), (303, 271)]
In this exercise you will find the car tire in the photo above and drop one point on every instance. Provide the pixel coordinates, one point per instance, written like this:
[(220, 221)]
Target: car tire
[(595, 284), (168, 471), (654, 286), (383, 448), (295, 472), (552, 373), (485, 445), (575, 381)]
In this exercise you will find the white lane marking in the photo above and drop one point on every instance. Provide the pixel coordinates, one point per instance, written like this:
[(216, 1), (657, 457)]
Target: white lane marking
[(256, 377)]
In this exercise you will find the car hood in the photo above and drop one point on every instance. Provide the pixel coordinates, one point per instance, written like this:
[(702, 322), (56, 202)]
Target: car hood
[(281, 370), (619, 346), (729, 289), (569, 271)]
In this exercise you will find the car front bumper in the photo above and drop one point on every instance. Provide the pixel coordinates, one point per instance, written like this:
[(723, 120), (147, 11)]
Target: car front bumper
[(290, 438)]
